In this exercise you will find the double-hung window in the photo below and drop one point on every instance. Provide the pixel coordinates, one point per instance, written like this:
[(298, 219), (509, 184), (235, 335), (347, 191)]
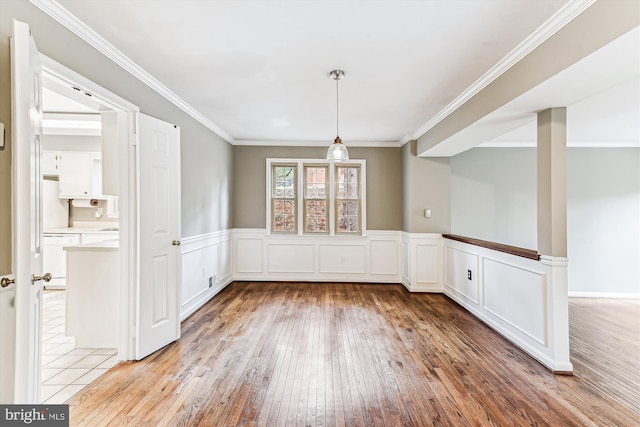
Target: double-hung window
[(283, 200), (315, 197)]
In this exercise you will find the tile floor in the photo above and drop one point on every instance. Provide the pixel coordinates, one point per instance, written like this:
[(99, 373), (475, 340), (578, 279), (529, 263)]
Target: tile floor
[(66, 369)]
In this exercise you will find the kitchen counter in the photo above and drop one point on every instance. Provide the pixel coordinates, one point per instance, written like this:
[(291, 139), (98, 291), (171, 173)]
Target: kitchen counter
[(106, 245), (93, 289), (79, 230)]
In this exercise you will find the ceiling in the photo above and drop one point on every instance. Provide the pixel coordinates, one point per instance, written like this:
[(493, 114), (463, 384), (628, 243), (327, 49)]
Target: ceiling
[(257, 71)]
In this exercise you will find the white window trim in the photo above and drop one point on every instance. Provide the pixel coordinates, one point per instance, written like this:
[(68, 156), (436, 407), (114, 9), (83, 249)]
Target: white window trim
[(362, 164)]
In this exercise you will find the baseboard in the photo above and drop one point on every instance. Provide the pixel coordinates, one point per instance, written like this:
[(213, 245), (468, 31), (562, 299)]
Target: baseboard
[(196, 303), (578, 294)]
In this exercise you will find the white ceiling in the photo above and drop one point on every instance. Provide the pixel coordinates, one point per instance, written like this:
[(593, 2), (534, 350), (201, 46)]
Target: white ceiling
[(258, 70)]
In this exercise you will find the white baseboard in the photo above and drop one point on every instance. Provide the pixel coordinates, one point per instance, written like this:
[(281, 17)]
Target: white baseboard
[(578, 294)]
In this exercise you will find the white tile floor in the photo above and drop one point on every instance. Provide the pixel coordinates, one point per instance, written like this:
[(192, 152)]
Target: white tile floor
[(66, 369)]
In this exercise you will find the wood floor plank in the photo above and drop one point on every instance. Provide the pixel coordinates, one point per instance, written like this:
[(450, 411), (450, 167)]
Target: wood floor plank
[(347, 354)]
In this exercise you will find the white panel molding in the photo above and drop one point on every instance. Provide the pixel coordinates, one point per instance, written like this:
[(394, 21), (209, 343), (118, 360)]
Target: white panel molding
[(565, 15), (423, 262), (204, 256), (540, 328), (374, 258), (79, 28), (457, 263), (521, 307)]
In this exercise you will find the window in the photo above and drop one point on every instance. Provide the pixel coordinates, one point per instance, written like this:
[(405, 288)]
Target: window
[(316, 199), (348, 199), (330, 197), (284, 199)]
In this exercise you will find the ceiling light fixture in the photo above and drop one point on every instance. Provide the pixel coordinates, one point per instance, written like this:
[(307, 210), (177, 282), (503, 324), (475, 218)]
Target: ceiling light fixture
[(337, 151)]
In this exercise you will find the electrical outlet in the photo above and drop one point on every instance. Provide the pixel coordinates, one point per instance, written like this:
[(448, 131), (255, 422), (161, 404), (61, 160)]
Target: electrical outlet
[(211, 281), (469, 274)]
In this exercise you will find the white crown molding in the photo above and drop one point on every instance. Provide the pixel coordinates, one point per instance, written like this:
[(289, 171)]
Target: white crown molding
[(79, 28), (295, 143), (561, 18)]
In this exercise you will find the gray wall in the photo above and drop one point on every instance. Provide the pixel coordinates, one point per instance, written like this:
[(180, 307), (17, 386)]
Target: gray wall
[(384, 183), (426, 185), (493, 193), (603, 219), (206, 158)]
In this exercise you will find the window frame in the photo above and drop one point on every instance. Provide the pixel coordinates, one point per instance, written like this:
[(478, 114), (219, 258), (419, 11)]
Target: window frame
[(327, 199), (337, 200), (299, 191), (273, 199)]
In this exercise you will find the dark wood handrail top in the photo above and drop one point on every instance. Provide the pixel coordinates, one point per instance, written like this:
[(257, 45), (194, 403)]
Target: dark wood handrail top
[(513, 250)]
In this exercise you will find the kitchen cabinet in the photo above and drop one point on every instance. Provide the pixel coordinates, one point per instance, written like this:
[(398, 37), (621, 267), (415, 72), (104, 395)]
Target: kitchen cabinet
[(50, 163), (54, 258), (80, 174)]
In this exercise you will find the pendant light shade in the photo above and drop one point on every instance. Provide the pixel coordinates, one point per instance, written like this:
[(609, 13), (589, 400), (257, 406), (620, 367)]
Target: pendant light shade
[(337, 151)]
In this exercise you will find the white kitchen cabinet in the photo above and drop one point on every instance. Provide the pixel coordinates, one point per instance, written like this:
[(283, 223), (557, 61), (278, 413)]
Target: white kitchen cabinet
[(50, 163), (80, 174), (54, 258)]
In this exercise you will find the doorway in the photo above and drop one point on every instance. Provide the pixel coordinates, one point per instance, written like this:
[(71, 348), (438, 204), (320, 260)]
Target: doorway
[(72, 142)]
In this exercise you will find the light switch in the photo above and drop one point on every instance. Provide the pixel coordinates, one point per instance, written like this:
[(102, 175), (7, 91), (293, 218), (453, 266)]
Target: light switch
[(427, 213)]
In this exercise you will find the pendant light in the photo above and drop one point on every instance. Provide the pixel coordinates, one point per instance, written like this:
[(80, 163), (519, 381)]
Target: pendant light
[(337, 151)]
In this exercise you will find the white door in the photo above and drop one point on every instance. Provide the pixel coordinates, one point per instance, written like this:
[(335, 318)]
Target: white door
[(158, 296), (26, 78)]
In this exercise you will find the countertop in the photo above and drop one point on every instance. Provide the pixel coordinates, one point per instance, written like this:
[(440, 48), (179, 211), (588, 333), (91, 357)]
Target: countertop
[(79, 230), (107, 245)]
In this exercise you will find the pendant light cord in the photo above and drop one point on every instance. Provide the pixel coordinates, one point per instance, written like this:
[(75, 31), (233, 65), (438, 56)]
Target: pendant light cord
[(337, 109)]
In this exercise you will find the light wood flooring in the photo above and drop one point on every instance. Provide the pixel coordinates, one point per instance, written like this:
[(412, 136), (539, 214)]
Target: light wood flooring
[(305, 354)]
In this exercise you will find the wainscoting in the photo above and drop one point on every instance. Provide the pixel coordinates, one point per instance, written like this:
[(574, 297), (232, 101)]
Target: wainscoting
[(375, 258), (523, 299), (206, 269)]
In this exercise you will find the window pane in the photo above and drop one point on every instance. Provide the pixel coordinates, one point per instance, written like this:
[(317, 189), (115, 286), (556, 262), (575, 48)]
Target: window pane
[(348, 183), (284, 181), (284, 215), (348, 216), (316, 216), (315, 183)]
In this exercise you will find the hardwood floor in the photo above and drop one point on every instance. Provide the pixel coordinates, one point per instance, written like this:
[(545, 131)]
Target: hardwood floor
[(605, 346), (305, 354)]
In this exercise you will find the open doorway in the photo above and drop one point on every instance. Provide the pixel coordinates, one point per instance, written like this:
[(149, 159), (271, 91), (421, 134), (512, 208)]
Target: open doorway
[(77, 209)]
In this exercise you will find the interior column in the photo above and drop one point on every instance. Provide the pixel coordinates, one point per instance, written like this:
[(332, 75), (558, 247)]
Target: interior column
[(552, 228)]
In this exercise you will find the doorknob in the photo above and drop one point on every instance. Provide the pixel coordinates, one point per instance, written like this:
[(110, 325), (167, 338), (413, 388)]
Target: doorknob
[(176, 243), (46, 277), (6, 282)]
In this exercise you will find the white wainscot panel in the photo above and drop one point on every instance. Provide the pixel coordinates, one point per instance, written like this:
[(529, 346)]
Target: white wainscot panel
[(342, 259), (249, 256), (458, 265), (427, 264), (405, 261), (384, 257), (285, 258), (517, 296), (224, 259), (197, 267)]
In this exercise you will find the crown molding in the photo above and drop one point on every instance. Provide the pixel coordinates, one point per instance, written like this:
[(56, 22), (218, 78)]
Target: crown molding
[(561, 18), (79, 28), (296, 143)]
